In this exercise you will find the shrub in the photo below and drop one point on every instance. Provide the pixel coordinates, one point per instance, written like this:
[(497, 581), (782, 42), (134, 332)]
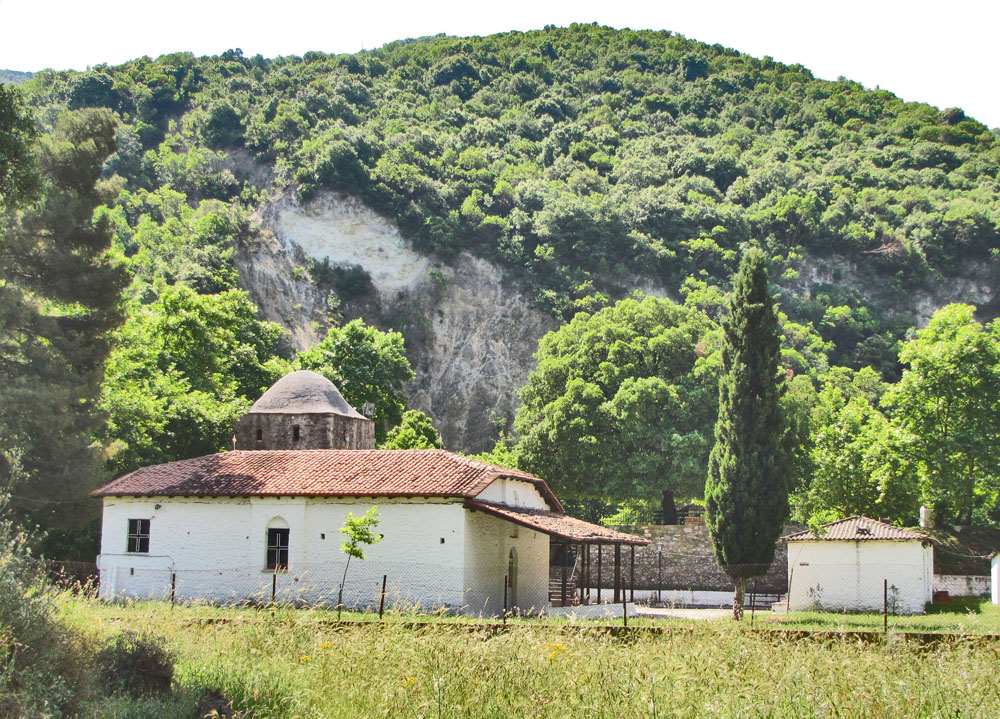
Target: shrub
[(42, 672), (135, 664)]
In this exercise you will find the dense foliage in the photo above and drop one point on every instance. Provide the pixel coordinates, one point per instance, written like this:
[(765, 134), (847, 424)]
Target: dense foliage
[(414, 431), (584, 158), (586, 161), (60, 291), (367, 365), (184, 369), (622, 403)]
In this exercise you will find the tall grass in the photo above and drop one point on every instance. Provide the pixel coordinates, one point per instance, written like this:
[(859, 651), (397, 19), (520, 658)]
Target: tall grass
[(285, 666)]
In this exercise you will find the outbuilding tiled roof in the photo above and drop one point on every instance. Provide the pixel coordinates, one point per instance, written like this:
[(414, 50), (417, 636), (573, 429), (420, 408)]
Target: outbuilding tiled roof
[(557, 525), (857, 529), (320, 473)]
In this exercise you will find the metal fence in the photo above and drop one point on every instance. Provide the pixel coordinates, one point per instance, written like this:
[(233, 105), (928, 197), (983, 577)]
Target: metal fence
[(367, 586), (891, 588)]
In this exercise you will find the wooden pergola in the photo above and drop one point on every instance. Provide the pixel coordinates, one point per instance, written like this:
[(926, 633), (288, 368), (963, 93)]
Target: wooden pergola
[(569, 532)]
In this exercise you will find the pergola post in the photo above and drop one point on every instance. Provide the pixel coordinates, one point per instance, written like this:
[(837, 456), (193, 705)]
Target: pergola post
[(600, 555), (585, 573), (565, 557), (631, 583), (618, 573)]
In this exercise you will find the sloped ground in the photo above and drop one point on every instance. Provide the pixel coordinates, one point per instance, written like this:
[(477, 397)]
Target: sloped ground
[(964, 550)]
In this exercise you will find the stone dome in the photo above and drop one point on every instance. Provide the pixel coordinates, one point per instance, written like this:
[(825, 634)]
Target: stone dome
[(304, 392)]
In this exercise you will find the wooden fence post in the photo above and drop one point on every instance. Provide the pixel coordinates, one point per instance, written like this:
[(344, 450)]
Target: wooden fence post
[(885, 606), (381, 601)]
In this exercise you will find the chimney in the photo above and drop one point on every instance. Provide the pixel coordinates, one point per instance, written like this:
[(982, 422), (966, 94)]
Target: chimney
[(926, 518)]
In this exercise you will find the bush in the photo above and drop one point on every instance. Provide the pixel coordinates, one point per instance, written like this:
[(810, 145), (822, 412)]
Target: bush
[(135, 664), (42, 670)]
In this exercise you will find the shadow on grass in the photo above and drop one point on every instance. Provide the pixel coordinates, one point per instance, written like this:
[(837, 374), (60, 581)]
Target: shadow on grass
[(962, 605)]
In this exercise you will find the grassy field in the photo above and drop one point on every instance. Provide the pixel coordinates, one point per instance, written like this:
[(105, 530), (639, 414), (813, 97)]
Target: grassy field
[(960, 616), (299, 663)]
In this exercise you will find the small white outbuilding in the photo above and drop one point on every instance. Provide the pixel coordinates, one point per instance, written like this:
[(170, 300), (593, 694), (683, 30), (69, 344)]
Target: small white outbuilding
[(858, 564), (995, 579)]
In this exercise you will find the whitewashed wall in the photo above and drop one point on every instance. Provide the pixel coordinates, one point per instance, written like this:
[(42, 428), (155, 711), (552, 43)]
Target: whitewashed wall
[(995, 579), (963, 585), (217, 550), (848, 576), (489, 541), (513, 493)]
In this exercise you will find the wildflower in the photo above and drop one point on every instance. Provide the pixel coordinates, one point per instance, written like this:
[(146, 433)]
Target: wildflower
[(304, 658), (557, 649), (325, 645)]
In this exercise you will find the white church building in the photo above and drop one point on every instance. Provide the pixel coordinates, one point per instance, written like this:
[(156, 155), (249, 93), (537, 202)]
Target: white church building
[(261, 523)]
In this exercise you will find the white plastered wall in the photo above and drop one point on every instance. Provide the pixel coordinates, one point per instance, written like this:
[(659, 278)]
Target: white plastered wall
[(995, 579), (848, 576), (215, 549), (513, 493), (489, 541)]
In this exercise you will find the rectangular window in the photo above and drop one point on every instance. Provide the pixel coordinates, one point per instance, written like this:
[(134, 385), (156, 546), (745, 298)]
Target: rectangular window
[(277, 548), (138, 535), (295, 434)]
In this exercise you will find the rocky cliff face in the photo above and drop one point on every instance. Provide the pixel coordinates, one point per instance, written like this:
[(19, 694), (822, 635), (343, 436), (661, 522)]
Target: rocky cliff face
[(470, 332), (975, 284)]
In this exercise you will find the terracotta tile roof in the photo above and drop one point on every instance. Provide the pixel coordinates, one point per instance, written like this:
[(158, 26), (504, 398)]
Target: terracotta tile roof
[(557, 525), (321, 473), (855, 529)]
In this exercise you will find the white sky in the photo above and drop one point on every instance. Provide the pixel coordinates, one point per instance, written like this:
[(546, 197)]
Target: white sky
[(942, 53)]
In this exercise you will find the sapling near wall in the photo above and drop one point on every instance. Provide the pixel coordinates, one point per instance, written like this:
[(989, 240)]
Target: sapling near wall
[(360, 531)]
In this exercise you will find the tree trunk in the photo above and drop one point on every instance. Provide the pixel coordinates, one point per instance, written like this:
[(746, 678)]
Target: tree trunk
[(340, 594), (668, 507), (739, 591)]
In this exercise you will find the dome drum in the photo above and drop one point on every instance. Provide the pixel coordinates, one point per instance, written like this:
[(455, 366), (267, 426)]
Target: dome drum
[(304, 410), (304, 431)]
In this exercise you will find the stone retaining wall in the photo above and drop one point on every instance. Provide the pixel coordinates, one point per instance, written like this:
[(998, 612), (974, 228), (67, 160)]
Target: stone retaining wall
[(680, 557)]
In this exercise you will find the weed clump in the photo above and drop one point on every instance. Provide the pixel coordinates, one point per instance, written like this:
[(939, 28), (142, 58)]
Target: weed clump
[(135, 664)]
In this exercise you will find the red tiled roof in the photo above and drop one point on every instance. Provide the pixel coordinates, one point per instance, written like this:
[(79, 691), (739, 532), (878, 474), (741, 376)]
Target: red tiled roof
[(856, 529), (320, 473), (557, 525)]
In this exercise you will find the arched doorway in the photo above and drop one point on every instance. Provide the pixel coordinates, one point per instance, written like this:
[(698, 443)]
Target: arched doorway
[(512, 578)]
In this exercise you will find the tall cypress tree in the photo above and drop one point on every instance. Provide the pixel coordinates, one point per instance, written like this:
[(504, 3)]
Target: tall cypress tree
[(746, 494)]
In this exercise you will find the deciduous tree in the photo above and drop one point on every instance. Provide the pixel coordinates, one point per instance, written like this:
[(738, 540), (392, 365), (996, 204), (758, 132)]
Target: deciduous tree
[(415, 431), (367, 365), (948, 401), (622, 403)]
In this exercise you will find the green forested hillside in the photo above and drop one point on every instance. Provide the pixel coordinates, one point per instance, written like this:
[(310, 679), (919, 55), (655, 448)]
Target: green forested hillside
[(13, 77), (586, 161), (580, 158)]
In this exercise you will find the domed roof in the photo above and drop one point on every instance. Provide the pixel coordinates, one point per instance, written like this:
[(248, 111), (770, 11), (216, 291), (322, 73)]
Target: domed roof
[(304, 392)]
